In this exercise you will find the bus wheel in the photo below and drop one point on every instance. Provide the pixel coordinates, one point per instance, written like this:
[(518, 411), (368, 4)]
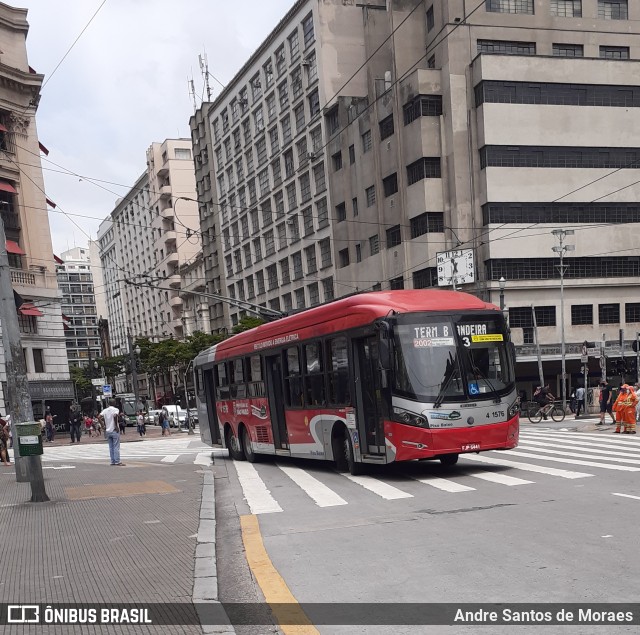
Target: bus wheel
[(252, 457), (449, 459), (354, 468), (233, 443)]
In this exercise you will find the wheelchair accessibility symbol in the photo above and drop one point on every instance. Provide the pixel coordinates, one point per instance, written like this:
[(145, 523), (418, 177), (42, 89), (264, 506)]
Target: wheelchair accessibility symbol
[(473, 389)]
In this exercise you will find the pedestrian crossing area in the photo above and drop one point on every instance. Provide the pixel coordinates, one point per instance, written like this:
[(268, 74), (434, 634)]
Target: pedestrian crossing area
[(168, 450), (542, 455)]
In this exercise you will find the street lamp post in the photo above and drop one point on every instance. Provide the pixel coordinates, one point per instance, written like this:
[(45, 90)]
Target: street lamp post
[(561, 249), (503, 283), (92, 365)]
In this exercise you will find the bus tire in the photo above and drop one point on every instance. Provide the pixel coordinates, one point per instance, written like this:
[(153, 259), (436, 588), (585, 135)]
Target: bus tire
[(233, 444), (251, 456), (353, 467), (337, 445), (449, 459)]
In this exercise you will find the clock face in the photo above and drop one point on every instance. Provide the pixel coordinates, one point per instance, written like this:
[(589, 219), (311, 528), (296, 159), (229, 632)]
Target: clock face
[(455, 267)]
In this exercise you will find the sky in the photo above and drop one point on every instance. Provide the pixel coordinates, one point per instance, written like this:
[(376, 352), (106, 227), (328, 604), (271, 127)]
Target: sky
[(124, 85)]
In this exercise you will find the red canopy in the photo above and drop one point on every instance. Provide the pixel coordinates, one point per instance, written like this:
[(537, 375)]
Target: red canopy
[(29, 309), (7, 187), (14, 248), (58, 259), (43, 149)]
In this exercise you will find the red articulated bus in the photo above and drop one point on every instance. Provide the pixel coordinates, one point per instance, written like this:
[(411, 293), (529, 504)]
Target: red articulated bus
[(371, 378)]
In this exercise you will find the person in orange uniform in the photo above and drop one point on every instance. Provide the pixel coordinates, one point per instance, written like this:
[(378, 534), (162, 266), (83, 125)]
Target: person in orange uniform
[(625, 409)]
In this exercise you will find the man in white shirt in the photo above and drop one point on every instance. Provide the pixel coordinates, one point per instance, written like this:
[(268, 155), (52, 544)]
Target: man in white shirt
[(109, 417), (580, 395)]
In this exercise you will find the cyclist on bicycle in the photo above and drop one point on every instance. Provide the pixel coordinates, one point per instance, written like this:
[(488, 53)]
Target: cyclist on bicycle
[(543, 397)]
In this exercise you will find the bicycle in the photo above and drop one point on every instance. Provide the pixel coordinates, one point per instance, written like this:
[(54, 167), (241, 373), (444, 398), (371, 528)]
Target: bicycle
[(553, 409)]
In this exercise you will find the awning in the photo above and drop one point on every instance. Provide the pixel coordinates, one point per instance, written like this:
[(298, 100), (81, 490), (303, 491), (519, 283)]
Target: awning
[(29, 309), (58, 259), (50, 203), (64, 317), (3, 128), (7, 187), (14, 248), (43, 148), (17, 298)]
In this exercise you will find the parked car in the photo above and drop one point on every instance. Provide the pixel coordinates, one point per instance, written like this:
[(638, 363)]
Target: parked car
[(154, 416), (176, 415)]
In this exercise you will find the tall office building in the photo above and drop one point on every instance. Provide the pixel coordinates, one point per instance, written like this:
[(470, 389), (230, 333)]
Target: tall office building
[(361, 145), (23, 207)]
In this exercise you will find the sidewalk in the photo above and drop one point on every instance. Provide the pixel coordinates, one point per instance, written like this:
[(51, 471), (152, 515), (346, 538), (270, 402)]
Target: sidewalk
[(131, 434), (584, 423), (118, 535)]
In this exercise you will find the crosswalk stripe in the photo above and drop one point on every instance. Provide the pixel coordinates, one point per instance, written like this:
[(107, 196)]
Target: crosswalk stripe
[(631, 440), (318, 491), (626, 495), (502, 479), (444, 484), (578, 455), (255, 491), (204, 458), (527, 467), (382, 489), (576, 446), (530, 455), (609, 444), (170, 458)]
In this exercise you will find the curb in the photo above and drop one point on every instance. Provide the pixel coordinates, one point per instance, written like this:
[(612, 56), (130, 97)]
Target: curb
[(205, 577)]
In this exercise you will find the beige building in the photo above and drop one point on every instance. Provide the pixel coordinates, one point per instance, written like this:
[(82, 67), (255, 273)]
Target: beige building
[(471, 125), (23, 207)]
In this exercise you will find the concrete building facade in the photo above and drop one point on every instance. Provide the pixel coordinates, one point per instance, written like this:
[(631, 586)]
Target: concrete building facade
[(23, 206), (439, 126)]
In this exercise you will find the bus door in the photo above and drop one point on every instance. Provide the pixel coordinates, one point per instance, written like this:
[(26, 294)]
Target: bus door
[(275, 394), (212, 419), (367, 383)]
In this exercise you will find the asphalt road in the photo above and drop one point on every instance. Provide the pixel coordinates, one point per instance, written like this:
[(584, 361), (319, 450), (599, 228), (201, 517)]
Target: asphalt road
[(555, 520)]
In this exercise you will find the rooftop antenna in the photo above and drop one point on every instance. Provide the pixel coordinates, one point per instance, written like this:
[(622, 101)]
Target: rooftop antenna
[(204, 67), (192, 92)]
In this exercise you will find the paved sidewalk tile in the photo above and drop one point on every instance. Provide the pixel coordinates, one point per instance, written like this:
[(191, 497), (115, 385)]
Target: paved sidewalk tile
[(132, 540)]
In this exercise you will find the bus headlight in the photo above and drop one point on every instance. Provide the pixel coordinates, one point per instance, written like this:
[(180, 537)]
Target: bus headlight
[(514, 408), (409, 418)]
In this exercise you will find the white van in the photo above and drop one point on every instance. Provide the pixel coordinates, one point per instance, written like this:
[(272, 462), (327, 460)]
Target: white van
[(176, 415)]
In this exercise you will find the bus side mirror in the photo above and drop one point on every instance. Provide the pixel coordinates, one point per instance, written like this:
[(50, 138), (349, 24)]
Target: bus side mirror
[(384, 347), (512, 349)]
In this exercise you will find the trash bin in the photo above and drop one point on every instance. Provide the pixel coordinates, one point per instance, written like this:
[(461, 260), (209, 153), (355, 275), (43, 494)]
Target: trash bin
[(29, 438)]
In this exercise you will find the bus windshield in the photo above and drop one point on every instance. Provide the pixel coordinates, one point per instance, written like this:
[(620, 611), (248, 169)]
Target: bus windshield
[(436, 358)]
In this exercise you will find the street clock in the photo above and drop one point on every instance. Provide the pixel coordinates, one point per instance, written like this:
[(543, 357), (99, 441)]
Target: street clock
[(455, 267)]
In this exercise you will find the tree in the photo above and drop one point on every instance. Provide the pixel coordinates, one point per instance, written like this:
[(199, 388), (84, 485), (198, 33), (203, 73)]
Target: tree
[(112, 366), (246, 323), (79, 376), (199, 342)]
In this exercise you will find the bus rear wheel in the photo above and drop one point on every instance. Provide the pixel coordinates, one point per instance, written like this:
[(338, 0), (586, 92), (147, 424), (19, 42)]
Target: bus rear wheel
[(251, 456), (354, 467), (233, 443), (449, 459)]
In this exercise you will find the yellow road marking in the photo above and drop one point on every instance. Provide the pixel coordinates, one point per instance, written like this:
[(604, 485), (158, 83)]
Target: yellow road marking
[(284, 605)]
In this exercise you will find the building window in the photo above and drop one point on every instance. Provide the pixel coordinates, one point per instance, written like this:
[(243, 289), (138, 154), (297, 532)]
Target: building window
[(425, 278), (333, 121), (307, 30), (430, 19), (38, 360), (609, 313), (312, 67), (429, 222), (260, 282), (300, 298), (422, 106), (614, 52), (341, 212), (325, 252), (314, 294), (632, 312), (314, 104), (284, 271), (393, 237), (28, 324), (366, 141), (274, 140), (370, 193), (390, 184), (374, 245), (396, 283), (294, 46), (337, 161), (298, 114), (310, 253), (261, 149), (289, 167), (286, 129), (561, 213), (297, 265), (568, 50), (327, 288), (581, 314), (613, 9), (269, 243), (282, 235), (319, 178), (322, 213), (279, 199), (566, 8), (579, 268), (268, 73), (510, 6), (316, 139), (263, 180), (352, 155), (307, 221), (386, 127), (343, 258), (354, 204), (305, 188), (425, 168), (272, 277), (358, 252), (431, 62), (281, 61), (257, 249), (292, 200), (521, 317), (296, 83), (506, 47)]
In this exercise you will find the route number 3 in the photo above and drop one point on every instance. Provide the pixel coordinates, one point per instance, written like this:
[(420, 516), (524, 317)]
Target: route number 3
[(466, 341)]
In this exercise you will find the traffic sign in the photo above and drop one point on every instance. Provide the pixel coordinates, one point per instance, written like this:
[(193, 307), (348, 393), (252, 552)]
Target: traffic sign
[(106, 390), (97, 382), (584, 359)]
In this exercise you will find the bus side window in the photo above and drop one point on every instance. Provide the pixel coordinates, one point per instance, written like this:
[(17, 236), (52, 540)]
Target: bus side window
[(222, 382), (314, 375), (338, 371), (254, 376), (293, 377), (239, 388)]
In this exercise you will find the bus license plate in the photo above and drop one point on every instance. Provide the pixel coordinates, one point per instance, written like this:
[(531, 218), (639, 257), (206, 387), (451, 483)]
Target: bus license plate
[(469, 447)]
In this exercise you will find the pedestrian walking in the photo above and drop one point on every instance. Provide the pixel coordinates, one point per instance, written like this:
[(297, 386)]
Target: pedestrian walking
[(625, 409), (49, 427), (141, 427), (164, 422), (606, 402), (109, 416), (75, 422), (122, 422), (4, 442), (580, 395), (8, 421)]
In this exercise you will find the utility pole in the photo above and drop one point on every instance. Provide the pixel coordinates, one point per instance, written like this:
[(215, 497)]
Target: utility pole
[(637, 347), (134, 370), (561, 249), (537, 343), (93, 388), (28, 468), (186, 396)]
